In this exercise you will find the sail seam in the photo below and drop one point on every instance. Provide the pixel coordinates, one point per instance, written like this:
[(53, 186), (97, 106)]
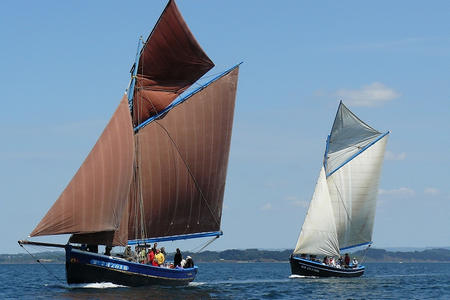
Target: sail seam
[(182, 99), (357, 118), (190, 173), (357, 154)]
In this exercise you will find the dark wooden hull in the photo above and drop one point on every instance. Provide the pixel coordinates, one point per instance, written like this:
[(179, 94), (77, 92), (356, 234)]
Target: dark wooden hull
[(305, 267), (87, 267)]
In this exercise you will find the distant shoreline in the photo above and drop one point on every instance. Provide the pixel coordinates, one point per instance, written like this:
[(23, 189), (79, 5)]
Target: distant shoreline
[(372, 255)]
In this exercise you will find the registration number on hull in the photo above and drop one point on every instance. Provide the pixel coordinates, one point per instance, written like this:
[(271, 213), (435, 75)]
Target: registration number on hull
[(108, 265), (309, 269)]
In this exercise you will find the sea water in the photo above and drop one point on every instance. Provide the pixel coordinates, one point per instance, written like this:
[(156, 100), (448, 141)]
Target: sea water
[(240, 281)]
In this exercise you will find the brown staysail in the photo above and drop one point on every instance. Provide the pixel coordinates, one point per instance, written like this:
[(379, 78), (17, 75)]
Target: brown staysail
[(182, 161), (170, 62), (95, 198)]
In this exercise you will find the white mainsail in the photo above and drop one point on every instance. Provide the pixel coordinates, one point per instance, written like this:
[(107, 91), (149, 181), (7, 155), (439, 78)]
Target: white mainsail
[(342, 210), (353, 192)]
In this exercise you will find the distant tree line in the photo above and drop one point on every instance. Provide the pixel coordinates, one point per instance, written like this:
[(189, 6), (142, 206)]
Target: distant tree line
[(429, 255), (255, 255)]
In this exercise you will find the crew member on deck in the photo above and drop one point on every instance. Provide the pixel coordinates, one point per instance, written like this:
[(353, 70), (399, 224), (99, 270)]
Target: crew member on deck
[(355, 262), (150, 257), (177, 258), (142, 255), (159, 257), (189, 263), (155, 247), (347, 260), (128, 254)]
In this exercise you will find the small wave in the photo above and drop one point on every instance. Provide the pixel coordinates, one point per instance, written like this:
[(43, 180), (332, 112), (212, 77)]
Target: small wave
[(196, 283), (246, 281), (302, 276), (297, 276), (407, 275), (97, 285)]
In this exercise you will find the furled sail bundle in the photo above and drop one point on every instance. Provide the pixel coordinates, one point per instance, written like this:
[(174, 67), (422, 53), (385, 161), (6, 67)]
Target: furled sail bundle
[(342, 211)]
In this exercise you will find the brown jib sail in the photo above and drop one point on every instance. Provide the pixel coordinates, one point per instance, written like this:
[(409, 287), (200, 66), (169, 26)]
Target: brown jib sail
[(158, 170), (93, 201)]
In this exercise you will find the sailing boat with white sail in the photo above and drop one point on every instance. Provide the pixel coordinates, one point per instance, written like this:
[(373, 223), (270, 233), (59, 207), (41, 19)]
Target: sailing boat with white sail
[(342, 210), (157, 172)]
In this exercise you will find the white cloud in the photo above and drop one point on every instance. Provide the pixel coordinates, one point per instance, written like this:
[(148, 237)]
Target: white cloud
[(373, 94), (403, 191), (266, 206), (431, 191), (393, 156)]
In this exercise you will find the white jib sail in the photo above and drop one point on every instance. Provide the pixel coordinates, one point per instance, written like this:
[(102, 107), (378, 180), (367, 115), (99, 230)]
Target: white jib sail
[(318, 235), (353, 191)]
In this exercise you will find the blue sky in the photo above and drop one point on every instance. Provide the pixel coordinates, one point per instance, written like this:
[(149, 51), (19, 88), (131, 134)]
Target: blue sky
[(65, 65)]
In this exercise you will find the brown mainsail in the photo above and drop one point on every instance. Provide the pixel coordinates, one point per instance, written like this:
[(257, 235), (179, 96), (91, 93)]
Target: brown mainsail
[(182, 165), (170, 62), (93, 201)]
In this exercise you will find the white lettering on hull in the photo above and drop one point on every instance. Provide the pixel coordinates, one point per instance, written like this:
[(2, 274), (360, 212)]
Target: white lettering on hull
[(108, 265)]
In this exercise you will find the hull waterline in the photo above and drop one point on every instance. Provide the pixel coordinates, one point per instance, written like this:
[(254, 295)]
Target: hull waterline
[(87, 267), (305, 267)]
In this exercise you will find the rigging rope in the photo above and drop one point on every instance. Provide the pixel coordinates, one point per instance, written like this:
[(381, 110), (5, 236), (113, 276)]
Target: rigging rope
[(190, 173), (204, 246), (342, 200), (153, 108), (37, 260), (365, 253), (186, 165)]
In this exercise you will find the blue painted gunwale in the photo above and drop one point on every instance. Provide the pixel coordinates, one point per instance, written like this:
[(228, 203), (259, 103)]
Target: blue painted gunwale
[(175, 237), (123, 266)]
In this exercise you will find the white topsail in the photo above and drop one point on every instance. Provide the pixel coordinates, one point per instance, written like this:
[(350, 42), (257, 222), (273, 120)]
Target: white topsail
[(352, 163)]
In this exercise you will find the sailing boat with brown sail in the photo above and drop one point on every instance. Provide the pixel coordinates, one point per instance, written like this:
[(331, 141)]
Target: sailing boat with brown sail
[(158, 170)]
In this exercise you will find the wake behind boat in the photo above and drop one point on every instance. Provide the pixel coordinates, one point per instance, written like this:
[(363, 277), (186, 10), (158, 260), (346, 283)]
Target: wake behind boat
[(342, 210), (157, 172)]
